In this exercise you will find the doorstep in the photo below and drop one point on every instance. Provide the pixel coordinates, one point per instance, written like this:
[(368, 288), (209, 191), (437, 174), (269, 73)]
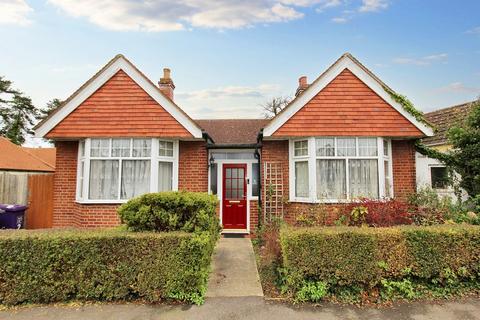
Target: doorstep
[(235, 231)]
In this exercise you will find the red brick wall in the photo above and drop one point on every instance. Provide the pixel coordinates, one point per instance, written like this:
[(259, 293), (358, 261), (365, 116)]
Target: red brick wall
[(253, 215), (193, 176), (404, 170), (193, 166), (64, 184)]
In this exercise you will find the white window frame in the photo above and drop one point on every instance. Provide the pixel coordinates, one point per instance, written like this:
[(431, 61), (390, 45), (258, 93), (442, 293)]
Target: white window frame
[(312, 158), (82, 195)]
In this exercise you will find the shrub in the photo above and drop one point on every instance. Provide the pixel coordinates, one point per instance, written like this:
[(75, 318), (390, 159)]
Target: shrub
[(171, 211), (397, 262), (54, 266), (376, 213)]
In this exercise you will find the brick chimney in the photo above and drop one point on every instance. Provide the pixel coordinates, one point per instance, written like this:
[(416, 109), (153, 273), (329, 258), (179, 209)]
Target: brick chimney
[(302, 85), (166, 84)]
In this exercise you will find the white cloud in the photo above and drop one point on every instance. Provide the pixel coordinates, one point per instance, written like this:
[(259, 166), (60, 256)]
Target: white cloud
[(262, 90), (373, 5), (475, 30), (459, 87), (15, 12), (166, 15), (422, 61), (340, 19)]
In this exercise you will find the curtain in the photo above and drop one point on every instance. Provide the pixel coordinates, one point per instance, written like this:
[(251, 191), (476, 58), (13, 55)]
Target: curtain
[(165, 175), (367, 147), (363, 176), (135, 178), (103, 179), (120, 147), (141, 147), (301, 179), (331, 179)]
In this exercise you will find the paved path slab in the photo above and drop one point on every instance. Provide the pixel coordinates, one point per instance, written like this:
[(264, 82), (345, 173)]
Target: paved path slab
[(234, 270)]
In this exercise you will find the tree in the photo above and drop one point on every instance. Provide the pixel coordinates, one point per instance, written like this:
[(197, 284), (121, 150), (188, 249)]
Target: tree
[(465, 155), (17, 113), (51, 105), (273, 107)]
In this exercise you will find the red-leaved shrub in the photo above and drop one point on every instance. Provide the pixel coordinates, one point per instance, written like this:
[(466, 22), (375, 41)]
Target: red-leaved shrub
[(377, 213)]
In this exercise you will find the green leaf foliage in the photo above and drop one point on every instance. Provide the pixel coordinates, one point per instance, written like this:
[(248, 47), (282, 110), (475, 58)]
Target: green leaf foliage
[(405, 262), (407, 106), (109, 265), (171, 211)]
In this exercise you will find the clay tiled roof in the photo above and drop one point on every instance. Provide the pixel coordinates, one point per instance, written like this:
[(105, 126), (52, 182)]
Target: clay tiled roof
[(233, 131), (13, 157), (443, 120)]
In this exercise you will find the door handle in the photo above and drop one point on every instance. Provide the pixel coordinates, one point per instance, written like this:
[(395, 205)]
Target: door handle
[(234, 201)]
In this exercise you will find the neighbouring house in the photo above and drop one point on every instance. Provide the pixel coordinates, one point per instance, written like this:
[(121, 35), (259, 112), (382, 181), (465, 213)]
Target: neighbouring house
[(432, 173), (120, 135), (26, 177)]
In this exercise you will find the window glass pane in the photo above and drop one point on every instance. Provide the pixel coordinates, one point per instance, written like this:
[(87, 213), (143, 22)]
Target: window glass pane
[(331, 183), (100, 148), (385, 148), (165, 149), (388, 192), (120, 147), (301, 179), (363, 176), (103, 179), (82, 148), (301, 148), (439, 176), (135, 178), (346, 147), (255, 180), (80, 182), (367, 147), (141, 147), (213, 178), (165, 176), (325, 147)]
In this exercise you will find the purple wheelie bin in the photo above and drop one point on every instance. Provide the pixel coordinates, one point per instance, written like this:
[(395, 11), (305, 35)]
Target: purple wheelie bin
[(12, 216)]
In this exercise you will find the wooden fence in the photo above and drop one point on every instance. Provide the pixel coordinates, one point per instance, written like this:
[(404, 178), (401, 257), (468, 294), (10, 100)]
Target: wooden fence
[(32, 189)]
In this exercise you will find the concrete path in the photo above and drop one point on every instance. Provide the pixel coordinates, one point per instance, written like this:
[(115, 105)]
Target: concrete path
[(251, 308), (234, 271)]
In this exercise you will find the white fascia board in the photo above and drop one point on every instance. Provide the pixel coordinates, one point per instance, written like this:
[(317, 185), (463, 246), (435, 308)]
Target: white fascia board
[(92, 87), (319, 84)]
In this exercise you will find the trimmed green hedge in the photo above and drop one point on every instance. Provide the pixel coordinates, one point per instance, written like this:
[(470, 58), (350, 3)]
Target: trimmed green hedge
[(62, 265), (171, 211), (398, 262)]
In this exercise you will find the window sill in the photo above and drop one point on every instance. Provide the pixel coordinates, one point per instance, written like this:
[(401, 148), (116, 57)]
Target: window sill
[(100, 201), (333, 201)]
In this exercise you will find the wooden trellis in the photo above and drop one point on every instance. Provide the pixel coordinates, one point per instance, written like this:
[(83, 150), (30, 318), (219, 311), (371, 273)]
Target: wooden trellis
[(273, 194)]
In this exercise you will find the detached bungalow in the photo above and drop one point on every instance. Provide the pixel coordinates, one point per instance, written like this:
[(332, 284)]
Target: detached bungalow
[(120, 135)]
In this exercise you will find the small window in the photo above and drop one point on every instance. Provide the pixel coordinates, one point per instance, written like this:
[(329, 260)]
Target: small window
[(165, 149), (325, 147), (385, 148), (142, 147), (346, 147), (121, 148), (367, 147), (440, 179), (213, 178), (301, 148), (301, 179), (255, 180), (165, 176), (100, 148)]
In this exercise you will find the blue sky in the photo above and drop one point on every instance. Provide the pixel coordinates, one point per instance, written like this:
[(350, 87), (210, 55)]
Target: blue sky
[(229, 56)]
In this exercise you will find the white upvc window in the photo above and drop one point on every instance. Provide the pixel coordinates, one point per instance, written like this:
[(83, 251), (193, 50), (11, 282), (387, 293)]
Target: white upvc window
[(113, 170), (339, 169)]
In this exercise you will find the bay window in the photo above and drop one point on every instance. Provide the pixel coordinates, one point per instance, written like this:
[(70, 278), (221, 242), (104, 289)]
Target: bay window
[(113, 170), (336, 169)]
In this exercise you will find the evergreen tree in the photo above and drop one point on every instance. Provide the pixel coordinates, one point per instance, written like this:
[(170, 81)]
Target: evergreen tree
[(49, 108), (17, 113)]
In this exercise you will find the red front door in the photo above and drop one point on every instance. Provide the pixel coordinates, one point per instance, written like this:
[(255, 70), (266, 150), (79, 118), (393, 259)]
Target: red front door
[(234, 200)]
